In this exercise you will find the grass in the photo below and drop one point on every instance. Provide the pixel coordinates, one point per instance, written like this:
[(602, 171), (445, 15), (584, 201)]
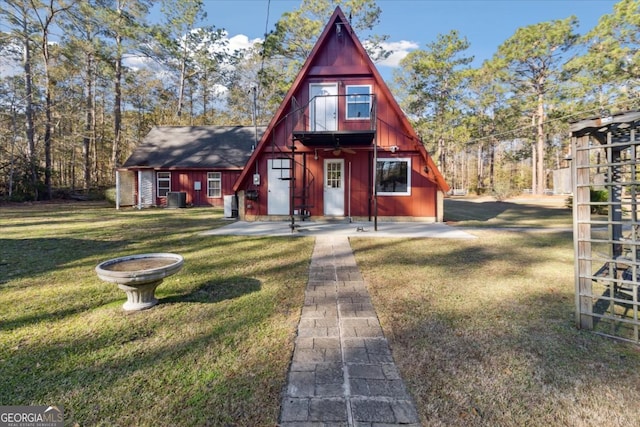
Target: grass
[(215, 351), (483, 330), (485, 212)]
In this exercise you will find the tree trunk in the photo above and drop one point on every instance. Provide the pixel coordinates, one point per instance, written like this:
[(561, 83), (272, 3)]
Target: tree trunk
[(440, 155), (183, 78), (48, 119), (12, 158), (492, 163), (29, 112), (117, 108), (540, 146), (480, 168), (534, 177), (89, 120)]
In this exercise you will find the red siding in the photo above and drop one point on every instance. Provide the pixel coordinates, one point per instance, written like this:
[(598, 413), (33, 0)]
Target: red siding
[(184, 181), (341, 59)]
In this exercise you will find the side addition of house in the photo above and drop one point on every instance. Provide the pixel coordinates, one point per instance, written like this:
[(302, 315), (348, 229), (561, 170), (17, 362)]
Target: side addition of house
[(179, 166), (340, 146)]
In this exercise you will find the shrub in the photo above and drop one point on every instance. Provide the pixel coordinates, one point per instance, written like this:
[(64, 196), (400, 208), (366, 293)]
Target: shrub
[(502, 191), (110, 195), (594, 196), (598, 196)]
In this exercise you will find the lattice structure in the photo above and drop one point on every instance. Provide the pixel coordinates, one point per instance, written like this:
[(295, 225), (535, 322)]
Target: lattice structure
[(606, 156)]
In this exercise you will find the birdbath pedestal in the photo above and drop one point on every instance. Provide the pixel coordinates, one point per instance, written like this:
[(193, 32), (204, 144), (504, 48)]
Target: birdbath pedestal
[(139, 276)]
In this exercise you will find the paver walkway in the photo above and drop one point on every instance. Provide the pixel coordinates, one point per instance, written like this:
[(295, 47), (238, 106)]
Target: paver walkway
[(342, 372)]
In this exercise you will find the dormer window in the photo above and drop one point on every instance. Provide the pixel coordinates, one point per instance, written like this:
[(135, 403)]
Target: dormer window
[(358, 102)]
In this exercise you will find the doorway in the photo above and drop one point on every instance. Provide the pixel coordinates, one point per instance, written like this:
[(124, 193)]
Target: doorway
[(334, 187), (278, 179), (323, 107)]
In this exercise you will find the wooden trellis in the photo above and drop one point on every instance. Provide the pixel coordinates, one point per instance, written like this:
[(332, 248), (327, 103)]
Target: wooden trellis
[(606, 231)]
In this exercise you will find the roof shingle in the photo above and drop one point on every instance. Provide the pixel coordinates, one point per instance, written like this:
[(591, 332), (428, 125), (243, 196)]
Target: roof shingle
[(201, 147)]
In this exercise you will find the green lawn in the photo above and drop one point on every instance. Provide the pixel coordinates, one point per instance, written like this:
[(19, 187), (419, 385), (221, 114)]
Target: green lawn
[(485, 212), (215, 351), (482, 330)]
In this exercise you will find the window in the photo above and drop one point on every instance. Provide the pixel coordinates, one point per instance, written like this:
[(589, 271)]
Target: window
[(214, 184), (393, 177), (333, 176), (164, 183), (358, 102)]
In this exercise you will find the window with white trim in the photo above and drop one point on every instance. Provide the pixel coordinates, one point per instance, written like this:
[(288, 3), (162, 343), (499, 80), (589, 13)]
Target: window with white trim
[(163, 183), (214, 184), (393, 177), (358, 102)]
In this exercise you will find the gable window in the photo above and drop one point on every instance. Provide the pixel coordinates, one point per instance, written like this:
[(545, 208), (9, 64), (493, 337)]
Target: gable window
[(164, 183), (358, 102), (393, 177), (214, 184)]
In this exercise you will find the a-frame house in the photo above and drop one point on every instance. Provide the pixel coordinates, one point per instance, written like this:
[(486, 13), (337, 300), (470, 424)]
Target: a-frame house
[(337, 128)]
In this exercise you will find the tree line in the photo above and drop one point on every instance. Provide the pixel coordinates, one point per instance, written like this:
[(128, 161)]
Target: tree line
[(82, 83)]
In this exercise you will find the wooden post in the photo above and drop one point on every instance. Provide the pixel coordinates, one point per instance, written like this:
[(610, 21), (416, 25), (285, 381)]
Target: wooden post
[(582, 231)]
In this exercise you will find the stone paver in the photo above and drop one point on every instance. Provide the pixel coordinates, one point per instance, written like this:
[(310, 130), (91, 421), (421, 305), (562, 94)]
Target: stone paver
[(342, 372)]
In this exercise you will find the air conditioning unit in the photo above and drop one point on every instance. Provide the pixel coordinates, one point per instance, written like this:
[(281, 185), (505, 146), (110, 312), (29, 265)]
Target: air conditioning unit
[(176, 199)]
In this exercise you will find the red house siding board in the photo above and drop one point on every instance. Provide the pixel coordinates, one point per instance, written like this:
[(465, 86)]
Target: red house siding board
[(360, 203), (344, 70), (228, 179), (184, 181), (361, 185), (361, 182), (339, 50), (391, 131)]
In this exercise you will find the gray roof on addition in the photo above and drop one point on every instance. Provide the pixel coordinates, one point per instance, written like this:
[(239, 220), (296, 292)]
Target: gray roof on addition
[(186, 147)]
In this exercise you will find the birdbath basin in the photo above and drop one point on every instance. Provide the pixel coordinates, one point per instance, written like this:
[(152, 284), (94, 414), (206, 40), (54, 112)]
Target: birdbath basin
[(139, 276)]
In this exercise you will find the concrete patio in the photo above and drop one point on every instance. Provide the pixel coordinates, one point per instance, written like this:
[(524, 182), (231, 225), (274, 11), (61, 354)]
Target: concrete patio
[(341, 228)]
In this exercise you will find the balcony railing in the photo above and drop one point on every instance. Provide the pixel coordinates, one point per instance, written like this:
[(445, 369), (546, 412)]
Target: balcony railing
[(326, 119)]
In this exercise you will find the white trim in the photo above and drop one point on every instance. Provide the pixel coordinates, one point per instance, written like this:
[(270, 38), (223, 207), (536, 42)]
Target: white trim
[(211, 180), (333, 194), (163, 179), (278, 186), (329, 103), (395, 193), (346, 102)]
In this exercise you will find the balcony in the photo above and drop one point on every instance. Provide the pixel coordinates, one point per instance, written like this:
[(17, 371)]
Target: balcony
[(335, 121)]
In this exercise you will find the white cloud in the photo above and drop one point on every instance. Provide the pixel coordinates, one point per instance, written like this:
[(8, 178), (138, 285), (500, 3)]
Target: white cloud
[(241, 42), (400, 50), (136, 62)]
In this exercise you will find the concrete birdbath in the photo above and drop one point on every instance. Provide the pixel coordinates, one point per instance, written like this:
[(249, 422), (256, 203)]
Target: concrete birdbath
[(139, 276)]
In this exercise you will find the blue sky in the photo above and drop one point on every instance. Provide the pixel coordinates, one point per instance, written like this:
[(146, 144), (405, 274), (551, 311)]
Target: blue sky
[(412, 24)]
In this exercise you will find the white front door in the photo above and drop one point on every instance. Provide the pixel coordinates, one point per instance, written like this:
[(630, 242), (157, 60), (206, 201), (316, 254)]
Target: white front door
[(324, 107), (279, 172), (334, 187)]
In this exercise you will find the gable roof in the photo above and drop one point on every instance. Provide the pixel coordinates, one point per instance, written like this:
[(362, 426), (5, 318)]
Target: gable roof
[(338, 15), (198, 147)]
